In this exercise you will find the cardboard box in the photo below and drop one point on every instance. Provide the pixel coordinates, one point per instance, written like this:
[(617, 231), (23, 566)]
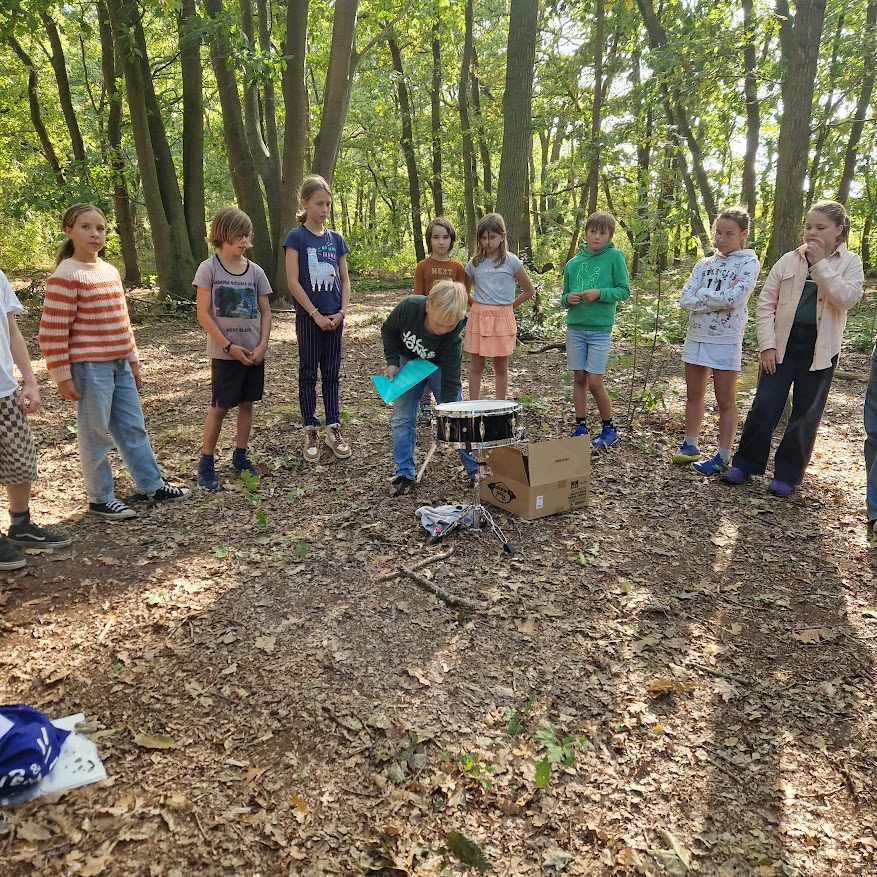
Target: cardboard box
[(539, 479)]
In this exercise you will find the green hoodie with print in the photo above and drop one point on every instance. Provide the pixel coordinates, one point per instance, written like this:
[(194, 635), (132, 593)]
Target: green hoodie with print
[(604, 270)]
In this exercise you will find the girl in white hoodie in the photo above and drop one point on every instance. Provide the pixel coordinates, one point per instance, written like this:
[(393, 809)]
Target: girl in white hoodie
[(715, 297)]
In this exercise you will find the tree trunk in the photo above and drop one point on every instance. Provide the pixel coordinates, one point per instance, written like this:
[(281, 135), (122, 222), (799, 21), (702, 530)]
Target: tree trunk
[(173, 255), (295, 134), (851, 153), (244, 177), (435, 96), (407, 143), (593, 184), (483, 149), (193, 128), (122, 206), (753, 113), (866, 241), (830, 106), (675, 107), (799, 44), (466, 132), (59, 67), (36, 114), (517, 137)]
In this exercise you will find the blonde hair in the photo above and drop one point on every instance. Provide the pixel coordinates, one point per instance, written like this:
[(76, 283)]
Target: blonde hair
[(495, 223), (68, 220), (228, 225), (448, 302), (602, 221), (310, 185), (837, 213)]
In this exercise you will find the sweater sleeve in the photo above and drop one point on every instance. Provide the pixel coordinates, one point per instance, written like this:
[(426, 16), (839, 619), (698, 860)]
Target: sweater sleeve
[(391, 335), (732, 295), (59, 312), (688, 298), (843, 289), (420, 278), (621, 289), (566, 290)]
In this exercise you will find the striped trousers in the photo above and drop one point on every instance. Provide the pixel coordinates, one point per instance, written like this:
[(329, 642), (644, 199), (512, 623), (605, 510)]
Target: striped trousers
[(318, 349)]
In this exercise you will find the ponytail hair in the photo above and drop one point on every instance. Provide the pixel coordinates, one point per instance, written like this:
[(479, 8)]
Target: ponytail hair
[(837, 213), (310, 185), (68, 220), (738, 215)]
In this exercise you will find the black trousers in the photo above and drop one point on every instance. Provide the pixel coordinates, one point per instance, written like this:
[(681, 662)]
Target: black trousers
[(809, 395)]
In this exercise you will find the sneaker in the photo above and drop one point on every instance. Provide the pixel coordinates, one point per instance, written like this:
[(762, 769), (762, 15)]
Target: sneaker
[(714, 466), (401, 485), (779, 488), (424, 413), (608, 437), (335, 441), (311, 448), (735, 475), (580, 429), (29, 535), (207, 477), (114, 510), (686, 454), (9, 557), (167, 493), (242, 463)]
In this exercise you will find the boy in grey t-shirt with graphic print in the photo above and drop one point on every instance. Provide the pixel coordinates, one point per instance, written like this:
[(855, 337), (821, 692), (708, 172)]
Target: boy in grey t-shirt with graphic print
[(232, 299)]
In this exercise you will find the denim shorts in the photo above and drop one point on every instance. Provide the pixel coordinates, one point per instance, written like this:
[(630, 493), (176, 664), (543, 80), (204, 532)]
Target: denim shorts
[(587, 351), (724, 357)]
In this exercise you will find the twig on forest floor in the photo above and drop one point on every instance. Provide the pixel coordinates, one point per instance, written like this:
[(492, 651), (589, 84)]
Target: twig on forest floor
[(730, 676), (438, 591)]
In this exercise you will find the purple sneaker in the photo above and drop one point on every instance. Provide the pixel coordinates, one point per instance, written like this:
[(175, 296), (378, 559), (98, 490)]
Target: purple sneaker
[(735, 475), (779, 488)]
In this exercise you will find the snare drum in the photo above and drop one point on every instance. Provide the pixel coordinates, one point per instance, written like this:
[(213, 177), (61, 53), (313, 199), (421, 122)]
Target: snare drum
[(482, 423)]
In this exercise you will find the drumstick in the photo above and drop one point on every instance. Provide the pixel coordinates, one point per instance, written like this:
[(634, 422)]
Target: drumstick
[(426, 462)]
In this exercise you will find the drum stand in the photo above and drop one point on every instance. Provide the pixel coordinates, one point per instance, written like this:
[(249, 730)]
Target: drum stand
[(479, 514)]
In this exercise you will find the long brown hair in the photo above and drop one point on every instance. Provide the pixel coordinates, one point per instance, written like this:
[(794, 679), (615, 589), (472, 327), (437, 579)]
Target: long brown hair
[(495, 223), (68, 220), (837, 213)]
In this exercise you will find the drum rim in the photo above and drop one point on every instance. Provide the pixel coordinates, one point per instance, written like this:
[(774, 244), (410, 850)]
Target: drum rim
[(502, 406)]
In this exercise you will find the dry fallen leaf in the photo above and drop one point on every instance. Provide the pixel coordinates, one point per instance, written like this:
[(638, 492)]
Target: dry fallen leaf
[(159, 742), (266, 643)]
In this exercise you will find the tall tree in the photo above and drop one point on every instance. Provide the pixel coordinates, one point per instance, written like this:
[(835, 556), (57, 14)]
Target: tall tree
[(435, 114), (407, 144), (753, 114), (512, 191), (466, 127), (596, 108)]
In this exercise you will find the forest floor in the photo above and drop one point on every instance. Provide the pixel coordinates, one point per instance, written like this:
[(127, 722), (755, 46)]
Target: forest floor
[(694, 664)]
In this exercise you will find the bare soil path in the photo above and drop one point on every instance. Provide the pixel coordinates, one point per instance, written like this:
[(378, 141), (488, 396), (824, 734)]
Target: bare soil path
[(693, 665)]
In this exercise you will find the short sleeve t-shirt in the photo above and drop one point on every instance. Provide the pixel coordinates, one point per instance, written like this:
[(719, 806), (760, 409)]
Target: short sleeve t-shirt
[(233, 303), (492, 285), (11, 305), (429, 271), (318, 258)]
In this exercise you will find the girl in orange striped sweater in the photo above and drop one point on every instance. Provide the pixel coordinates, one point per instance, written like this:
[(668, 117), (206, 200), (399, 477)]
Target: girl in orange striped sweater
[(91, 355)]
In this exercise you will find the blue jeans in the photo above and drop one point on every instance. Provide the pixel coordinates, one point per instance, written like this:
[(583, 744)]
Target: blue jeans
[(871, 439), (404, 424), (110, 406)]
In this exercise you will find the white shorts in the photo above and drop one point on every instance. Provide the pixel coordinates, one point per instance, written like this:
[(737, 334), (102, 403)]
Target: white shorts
[(725, 357)]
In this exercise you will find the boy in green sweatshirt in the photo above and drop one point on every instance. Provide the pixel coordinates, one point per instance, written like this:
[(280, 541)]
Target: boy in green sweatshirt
[(594, 280)]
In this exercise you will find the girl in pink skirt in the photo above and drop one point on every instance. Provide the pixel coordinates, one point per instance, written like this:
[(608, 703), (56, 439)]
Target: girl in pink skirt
[(491, 278)]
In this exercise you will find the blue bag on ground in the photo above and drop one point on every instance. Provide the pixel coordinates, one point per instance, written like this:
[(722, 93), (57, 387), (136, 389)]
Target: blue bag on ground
[(29, 747)]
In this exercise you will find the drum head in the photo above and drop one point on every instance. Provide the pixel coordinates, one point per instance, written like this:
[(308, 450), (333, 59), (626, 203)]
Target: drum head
[(477, 408)]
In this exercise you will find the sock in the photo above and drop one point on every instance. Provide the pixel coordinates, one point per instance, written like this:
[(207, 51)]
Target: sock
[(17, 520), (608, 422), (582, 420), (206, 458), (691, 440), (239, 453), (725, 454)]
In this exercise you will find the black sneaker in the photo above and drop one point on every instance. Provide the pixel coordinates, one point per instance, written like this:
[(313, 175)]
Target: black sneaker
[(29, 535), (401, 485), (114, 510), (9, 557), (242, 463), (207, 478), (168, 493)]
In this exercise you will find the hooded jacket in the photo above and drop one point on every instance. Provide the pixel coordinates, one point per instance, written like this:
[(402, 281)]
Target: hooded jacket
[(604, 270), (716, 296)]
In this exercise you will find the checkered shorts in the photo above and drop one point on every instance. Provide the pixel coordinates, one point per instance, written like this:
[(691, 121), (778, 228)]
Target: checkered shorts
[(18, 456)]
